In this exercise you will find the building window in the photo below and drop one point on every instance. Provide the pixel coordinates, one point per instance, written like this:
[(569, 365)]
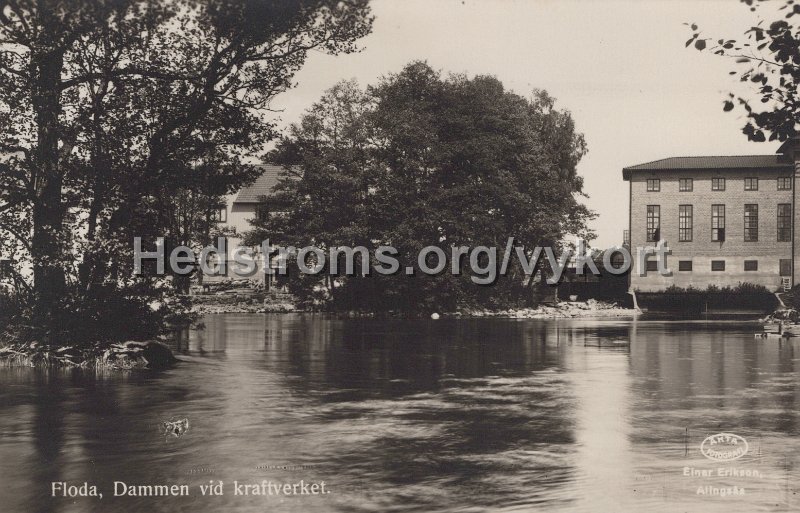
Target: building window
[(751, 184), (786, 266), (751, 265), (684, 223), (684, 265), (262, 212), (220, 215), (784, 222), (685, 185), (784, 183), (652, 265), (751, 223), (718, 223), (717, 184), (718, 265), (653, 185), (653, 223)]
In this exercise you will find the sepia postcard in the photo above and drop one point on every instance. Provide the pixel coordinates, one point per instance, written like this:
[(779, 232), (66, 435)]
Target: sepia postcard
[(316, 256)]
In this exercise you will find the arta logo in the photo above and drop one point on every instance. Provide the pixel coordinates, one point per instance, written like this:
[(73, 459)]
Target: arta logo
[(724, 447)]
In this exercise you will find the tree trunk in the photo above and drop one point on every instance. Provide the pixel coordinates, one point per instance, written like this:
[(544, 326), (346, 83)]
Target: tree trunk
[(48, 212)]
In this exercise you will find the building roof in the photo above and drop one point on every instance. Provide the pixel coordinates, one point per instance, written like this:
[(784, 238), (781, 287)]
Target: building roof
[(263, 186), (726, 162)]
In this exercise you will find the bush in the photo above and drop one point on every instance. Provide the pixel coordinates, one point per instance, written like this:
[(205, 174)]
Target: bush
[(743, 296)]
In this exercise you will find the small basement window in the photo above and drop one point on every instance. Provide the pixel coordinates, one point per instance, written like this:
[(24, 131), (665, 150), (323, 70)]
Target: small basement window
[(751, 265), (684, 265), (718, 265)]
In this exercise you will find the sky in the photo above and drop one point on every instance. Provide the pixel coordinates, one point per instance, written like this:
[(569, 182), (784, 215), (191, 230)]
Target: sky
[(620, 66)]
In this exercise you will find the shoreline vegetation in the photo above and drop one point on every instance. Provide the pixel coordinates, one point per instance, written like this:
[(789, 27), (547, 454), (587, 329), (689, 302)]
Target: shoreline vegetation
[(131, 355)]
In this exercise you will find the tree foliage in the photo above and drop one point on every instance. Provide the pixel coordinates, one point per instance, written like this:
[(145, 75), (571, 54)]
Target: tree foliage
[(132, 118), (424, 159), (768, 59)]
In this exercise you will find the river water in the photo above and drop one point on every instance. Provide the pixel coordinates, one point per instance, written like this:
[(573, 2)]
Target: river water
[(449, 415)]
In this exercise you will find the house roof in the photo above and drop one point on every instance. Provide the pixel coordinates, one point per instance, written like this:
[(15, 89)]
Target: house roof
[(726, 162), (263, 186)]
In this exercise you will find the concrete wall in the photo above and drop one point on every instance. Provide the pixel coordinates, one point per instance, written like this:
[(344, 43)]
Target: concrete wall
[(702, 250)]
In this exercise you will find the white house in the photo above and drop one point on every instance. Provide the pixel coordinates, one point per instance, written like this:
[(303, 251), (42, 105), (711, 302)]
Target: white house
[(239, 209)]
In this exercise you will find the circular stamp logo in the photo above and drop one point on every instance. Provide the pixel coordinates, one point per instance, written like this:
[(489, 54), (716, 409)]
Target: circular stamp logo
[(724, 447)]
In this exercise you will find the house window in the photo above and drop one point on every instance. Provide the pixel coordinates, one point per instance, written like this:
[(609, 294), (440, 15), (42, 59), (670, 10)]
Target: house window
[(751, 265), (684, 223), (751, 184), (220, 215), (717, 184), (718, 223), (685, 185), (653, 185), (262, 212), (718, 265), (653, 223), (786, 266), (751, 223), (784, 183), (652, 265), (784, 222), (684, 265)]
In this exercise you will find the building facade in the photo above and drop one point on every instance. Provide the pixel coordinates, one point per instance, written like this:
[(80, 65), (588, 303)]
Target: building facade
[(726, 220), (235, 216)]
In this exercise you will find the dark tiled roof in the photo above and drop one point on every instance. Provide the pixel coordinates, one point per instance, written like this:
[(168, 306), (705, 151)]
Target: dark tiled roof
[(727, 162), (262, 186)]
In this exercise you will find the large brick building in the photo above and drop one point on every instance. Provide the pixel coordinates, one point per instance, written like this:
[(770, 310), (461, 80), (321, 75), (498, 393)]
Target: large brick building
[(726, 220)]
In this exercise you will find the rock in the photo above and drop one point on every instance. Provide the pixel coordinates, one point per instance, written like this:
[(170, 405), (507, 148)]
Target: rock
[(156, 354), (434, 316)]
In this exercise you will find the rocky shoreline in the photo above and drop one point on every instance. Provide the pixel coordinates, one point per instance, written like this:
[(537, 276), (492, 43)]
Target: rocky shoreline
[(241, 302), (563, 310)]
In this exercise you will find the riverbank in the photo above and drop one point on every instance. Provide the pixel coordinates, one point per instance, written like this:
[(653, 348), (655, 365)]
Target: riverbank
[(241, 297), (130, 355), (562, 310)]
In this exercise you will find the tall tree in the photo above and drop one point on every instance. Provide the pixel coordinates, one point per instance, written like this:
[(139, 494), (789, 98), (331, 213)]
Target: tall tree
[(423, 159), (109, 107)]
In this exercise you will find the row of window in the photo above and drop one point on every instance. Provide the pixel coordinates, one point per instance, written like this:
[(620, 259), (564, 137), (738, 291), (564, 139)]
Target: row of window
[(718, 184), (719, 265), (686, 223)]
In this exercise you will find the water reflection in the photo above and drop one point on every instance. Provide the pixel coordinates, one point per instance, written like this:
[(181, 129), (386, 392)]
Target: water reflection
[(468, 415)]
